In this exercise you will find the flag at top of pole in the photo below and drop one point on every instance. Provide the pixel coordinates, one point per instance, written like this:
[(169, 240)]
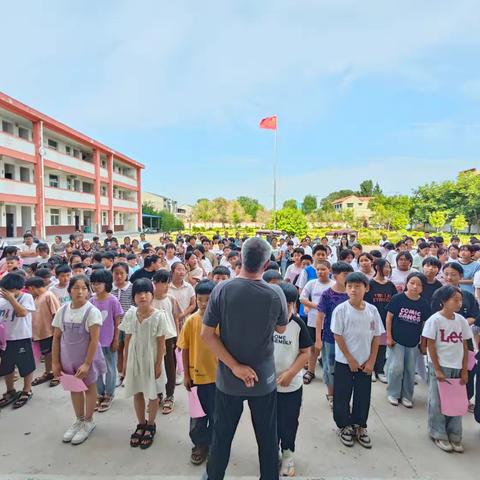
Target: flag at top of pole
[(269, 123)]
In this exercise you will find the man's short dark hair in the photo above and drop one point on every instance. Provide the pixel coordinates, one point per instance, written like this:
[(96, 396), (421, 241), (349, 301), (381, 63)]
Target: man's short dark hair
[(341, 267), (221, 270), (204, 287), (357, 277)]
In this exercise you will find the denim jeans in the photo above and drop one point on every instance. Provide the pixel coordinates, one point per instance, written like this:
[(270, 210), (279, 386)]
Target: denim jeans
[(441, 427), (401, 371), (328, 362), (228, 410), (107, 386)]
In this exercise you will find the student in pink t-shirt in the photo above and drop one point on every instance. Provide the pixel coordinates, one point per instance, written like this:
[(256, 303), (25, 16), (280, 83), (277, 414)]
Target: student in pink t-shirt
[(111, 310)]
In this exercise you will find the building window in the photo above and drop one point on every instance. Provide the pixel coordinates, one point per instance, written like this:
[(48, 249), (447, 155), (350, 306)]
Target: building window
[(68, 150), (53, 181), (349, 205), (52, 144), (24, 133), (7, 127), (103, 163), (76, 153), (360, 204), (103, 190), (54, 216), (104, 218), (69, 217), (9, 171), (24, 174), (87, 187)]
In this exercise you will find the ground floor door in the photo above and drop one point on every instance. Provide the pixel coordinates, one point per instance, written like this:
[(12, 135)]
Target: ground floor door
[(10, 220)]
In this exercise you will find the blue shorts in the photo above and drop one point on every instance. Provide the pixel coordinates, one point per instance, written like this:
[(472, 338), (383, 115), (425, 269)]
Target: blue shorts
[(328, 362)]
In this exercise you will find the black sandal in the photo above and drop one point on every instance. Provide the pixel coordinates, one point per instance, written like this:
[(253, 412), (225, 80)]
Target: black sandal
[(137, 435), (148, 436), (9, 397), (308, 377), (22, 399), (42, 379)]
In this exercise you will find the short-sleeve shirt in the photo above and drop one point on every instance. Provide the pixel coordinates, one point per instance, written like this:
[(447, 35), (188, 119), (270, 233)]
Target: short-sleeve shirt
[(124, 296), (110, 309), (286, 348), (29, 249), (408, 319), (429, 289), (469, 308), (17, 328), (46, 305), (469, 271), (247, 312), (61, 293), (182, 294), (358, 328), (292, 272), (449, 336), (75, 315), (313, 291), (329, 300), (380, 295), (399, 278), (202, 362)]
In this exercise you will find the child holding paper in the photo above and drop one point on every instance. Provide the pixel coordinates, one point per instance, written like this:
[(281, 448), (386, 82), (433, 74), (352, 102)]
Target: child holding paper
[(76, 352), (200, 366), (145, 332), (447, 333)]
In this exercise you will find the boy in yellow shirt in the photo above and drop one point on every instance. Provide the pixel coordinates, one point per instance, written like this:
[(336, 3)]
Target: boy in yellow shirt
[(200, 366)]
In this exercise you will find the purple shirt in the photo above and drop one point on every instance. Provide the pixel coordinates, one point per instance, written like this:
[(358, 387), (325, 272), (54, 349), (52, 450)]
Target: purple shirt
[(110, 308), (328, 301)]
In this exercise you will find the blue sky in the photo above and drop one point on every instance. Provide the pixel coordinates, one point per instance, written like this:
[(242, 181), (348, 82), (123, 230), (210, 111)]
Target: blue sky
[(374, 89)]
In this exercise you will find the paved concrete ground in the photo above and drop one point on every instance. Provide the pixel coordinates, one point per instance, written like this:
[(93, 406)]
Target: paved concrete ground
[(30, 443)]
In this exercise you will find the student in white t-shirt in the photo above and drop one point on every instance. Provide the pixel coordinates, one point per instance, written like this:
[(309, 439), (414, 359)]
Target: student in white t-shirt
[(357, 327), (16, 324), (290, 354), (295, 269), (310, 298), (60, 289), (403, 269), (447, 333)]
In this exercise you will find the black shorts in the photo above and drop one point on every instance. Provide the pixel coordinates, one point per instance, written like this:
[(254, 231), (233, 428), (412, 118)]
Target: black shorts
[(313, 333), (19, 353), (45, 345)]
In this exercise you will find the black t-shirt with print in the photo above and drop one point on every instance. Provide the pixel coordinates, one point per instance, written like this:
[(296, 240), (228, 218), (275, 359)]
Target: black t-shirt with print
[(429, 289), (408, 319), (380, 295)]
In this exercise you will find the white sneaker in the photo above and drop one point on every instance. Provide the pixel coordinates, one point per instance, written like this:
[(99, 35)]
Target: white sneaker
[(288, 464), (457, 447), (178, 378), (383, 378), (84, 432), (71, 432), (444, 445), (374, 378), (407, 403), (393, 401)]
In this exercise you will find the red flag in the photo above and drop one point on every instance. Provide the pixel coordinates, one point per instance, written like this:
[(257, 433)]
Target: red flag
[(270, 123)]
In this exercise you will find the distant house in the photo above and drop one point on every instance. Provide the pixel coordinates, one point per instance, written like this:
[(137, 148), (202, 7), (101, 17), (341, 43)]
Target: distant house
[(359, 206), (160, 202)]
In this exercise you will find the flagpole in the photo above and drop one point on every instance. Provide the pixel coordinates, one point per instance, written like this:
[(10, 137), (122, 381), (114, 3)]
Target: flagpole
[(275, 177)]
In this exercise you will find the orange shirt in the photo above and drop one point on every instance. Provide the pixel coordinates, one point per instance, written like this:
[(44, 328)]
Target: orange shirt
[(47, 305)]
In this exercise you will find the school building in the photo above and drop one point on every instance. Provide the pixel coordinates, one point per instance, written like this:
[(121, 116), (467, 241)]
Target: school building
[(358, 206), (55, 180)]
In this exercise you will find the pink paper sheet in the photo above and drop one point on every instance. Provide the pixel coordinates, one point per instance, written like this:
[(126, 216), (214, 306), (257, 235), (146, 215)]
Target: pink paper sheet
[(37, 353), (194, 405), (472, 361), (71, 383), (178, 354), (453, 398)]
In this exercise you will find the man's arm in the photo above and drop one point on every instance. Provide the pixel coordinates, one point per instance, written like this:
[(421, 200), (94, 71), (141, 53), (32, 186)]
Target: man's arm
[(243, 372)]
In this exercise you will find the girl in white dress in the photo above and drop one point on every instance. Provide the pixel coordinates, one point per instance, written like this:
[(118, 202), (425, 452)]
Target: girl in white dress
[(145, 332)]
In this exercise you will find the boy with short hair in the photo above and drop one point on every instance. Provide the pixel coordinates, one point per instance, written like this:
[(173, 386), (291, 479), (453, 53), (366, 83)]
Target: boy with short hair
[(290, 354), (133, 265), (357, 327), (295, 269), (220, 274), (46, 305), (272, 276), (232, 259), (60, 290), (431, 266), (200, 366), (16, 320), (108, 259), (324, 338)]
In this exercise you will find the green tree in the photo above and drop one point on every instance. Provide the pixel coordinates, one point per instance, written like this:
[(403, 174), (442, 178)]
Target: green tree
[(309, 204), (167, 222), (377, 190), (291, 203), (437, 219), (251, 206), (203, 211), (459, 223), (236, 213), (366, 188), (291, 220), (391, 211), (220, 206)]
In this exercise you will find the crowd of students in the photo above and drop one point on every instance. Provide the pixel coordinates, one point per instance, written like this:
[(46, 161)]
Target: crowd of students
[(123, 314)]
